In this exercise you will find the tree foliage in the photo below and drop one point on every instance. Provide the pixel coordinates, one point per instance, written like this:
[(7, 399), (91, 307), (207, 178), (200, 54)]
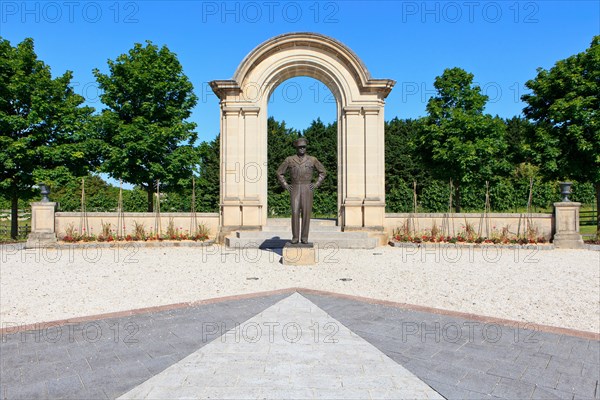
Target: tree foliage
[(565, 105), (43, 126), (458, 140), (404, 164), (207, 185), (519, 140), (144, 127)]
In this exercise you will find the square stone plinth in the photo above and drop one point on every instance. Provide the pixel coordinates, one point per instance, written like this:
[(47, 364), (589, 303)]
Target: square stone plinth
[(567, 234), (299, 254), (42, 217)]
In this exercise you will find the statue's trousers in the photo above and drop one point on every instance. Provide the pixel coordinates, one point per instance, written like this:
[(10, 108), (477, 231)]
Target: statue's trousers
[(302, 202)]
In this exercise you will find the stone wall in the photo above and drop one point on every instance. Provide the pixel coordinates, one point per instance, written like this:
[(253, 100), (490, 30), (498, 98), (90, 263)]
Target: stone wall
[(422, 221), (95, 220), (516, 222), (563, 225)]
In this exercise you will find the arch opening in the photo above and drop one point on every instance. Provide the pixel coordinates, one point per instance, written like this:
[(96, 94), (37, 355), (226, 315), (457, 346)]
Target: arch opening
[(302, 106)]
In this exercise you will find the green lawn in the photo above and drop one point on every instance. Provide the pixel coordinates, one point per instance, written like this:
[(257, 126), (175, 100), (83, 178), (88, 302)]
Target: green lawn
[(587, 230), (5, 231)]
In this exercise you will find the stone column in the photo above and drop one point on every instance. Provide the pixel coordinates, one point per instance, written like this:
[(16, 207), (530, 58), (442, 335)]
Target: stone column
[(231, 168), (253, 169), (374, 202), (354, 167), (42, 225), (242, 175), (566, 226)]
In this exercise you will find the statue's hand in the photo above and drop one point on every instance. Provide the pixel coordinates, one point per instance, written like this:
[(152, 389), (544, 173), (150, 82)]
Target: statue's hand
[(289, 188), (312, 187)]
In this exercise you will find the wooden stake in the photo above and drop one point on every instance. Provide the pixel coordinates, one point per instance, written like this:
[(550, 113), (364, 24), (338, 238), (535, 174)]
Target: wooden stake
[(157, 219), (488, 209), (83, 221), (529, 201), (194, 219), (413, 218), (120, 215)]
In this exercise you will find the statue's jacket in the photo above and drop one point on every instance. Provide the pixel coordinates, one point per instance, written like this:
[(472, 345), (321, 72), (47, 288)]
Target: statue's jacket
[(301, 170)]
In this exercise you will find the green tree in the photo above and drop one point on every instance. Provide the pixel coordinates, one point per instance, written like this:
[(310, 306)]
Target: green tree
[(207, 185), (99, 195), (519, 134), (404, 164), (144, 127), (42, 126), (459, 141), (565, 105)]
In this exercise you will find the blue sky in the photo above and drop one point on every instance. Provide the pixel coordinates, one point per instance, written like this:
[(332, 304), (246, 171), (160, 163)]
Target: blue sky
[(500, 42)]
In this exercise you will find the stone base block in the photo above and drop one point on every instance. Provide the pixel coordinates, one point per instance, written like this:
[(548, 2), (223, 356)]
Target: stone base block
[(227, 230), (40, 239), (382, 238), (299, 254), (568, 241), (278, 239)]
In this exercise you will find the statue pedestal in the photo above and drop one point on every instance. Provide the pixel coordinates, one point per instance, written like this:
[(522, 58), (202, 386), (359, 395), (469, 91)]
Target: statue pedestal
[(298, 254), (567, 234), (42, 225)]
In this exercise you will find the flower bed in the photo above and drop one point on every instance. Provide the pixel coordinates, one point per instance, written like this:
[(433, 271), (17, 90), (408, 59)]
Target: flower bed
[(139, 234), (461, 239), (467, 235), (133, 238)]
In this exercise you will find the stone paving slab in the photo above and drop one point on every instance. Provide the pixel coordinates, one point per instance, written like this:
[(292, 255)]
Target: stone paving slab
[(478, 360), (458, 357), (308, 353), (111, 356)]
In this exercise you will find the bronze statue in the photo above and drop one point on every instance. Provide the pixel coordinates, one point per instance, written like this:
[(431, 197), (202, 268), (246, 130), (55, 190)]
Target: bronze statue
[(301, 189)]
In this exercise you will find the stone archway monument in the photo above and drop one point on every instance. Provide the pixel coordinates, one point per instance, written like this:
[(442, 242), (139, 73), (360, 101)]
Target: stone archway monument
[(360, 102)]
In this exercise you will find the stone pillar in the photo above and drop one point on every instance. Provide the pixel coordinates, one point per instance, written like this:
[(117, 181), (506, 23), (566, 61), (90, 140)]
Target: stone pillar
[(566, 226), (353, 167), (253, 170), (242, 176), (231, 167), (42, 225), (374, 202)]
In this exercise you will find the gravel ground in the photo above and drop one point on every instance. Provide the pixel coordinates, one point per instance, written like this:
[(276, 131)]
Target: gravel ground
[(556, 287)]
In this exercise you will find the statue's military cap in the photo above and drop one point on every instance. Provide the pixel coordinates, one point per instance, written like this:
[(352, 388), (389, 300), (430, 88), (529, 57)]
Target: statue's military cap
[(300, 142)]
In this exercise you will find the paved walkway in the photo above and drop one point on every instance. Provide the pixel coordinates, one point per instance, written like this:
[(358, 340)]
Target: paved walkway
[(291, 350), (301, 345)]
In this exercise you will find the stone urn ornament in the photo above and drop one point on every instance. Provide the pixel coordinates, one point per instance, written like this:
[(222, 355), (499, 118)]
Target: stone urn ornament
[(565, 191), (45, 192)]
